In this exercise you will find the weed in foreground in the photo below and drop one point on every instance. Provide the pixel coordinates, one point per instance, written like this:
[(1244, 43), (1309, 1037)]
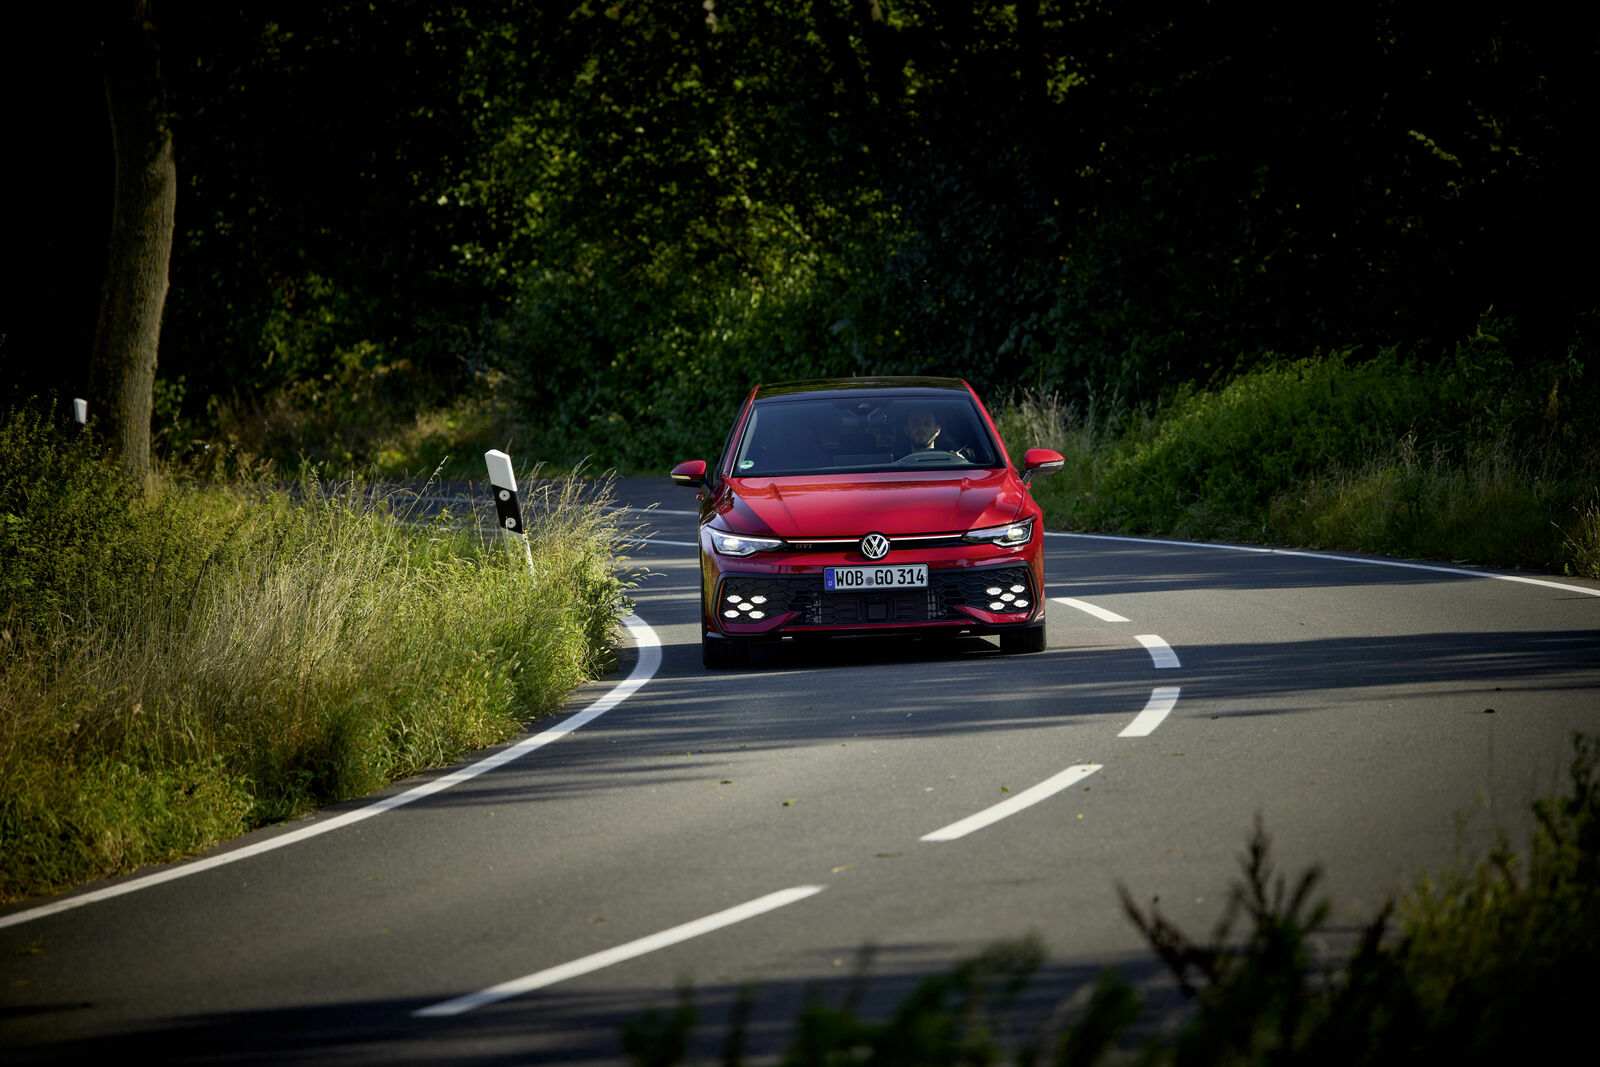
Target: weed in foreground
[(1580, 540), (1491, 964)]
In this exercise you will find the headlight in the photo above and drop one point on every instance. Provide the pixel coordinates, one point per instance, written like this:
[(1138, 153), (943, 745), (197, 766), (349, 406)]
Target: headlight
[(728, 544), (1014, 533)]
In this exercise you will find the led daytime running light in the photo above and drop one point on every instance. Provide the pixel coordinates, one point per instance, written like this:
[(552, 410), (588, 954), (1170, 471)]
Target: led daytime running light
[(1012, 533), (728, 544)]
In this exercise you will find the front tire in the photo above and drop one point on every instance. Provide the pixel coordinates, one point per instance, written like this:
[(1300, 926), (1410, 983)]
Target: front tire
[(1030, 640), (722, 654)]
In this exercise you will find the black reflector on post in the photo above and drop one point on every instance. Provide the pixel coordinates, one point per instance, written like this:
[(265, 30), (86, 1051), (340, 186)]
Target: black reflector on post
[(504, 485)]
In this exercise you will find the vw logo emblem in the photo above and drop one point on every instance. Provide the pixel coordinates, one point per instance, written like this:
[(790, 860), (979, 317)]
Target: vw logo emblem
[(874, 546)]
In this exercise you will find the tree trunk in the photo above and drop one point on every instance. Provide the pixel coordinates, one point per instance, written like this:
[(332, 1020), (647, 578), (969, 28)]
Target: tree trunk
[(122, 367)]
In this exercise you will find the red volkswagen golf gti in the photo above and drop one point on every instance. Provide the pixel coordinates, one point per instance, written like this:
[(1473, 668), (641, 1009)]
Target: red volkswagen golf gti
[(867, 505)]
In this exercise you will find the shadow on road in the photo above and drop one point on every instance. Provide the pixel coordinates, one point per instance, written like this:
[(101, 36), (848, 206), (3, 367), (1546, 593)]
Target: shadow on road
[(564, 1025)]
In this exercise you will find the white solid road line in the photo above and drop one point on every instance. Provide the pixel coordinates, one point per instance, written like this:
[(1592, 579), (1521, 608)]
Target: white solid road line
[(631, 950), (1159, 650), (644, 637), (1082, 605), (1162, 701), (1434, 567), (1158, 541), (1025, 799), (1518, 578)]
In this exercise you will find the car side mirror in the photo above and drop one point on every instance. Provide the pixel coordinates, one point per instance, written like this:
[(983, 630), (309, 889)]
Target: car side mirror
[(691, 473), (1041, 461)]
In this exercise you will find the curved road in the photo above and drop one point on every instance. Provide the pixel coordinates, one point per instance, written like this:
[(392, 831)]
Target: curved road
[(759, 827)]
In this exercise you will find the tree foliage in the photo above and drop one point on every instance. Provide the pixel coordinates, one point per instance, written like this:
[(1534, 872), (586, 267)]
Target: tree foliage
[(619, 214)]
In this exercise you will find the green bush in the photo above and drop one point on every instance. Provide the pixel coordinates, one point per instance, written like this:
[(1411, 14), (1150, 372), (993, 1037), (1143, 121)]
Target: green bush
[(1467, 458), (1496, 507), (217, 654), (1217, 458)]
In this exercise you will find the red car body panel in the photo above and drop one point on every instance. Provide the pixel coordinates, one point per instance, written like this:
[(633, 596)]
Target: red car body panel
[(840, 505), (927, 514)]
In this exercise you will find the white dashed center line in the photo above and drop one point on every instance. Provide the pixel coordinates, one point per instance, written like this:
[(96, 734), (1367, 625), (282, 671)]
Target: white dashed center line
[(1082, 605), (1162, 701), (1025, 799), (664, 939), (1159, 650)]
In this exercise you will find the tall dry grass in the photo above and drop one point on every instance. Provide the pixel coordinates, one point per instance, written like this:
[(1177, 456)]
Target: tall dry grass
[(219, 654), (1086, 434)]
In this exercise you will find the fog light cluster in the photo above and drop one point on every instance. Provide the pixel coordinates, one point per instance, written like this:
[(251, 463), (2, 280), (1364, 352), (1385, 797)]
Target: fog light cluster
[(746, 609), (1007, 599)]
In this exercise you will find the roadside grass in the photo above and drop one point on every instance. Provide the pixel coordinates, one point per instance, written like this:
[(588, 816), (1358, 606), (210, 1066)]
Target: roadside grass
[(1496, 507), (225, 651), (1088, 436), (1491, 962), (1463, 461), (394, 443), (449, 440)]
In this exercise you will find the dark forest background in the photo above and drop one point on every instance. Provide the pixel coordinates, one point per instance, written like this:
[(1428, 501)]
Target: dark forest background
[(587, 228)]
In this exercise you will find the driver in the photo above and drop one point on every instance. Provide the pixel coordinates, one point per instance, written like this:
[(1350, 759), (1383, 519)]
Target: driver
[(920, 431)]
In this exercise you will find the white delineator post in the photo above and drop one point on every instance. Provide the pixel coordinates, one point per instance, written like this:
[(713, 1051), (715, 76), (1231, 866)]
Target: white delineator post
[(80, 411), (504, 484)]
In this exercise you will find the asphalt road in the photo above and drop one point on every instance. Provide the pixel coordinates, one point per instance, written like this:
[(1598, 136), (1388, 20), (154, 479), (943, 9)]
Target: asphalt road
[(758, 828)]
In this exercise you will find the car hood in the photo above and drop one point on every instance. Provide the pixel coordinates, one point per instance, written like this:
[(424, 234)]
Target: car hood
[(852, 505)]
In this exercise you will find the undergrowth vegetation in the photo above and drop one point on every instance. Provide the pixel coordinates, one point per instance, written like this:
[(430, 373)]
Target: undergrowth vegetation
[(1491, 962), (223, 652), (1465, 458)]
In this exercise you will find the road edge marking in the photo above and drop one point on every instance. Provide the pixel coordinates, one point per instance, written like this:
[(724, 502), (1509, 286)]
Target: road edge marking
[(649, 646), (1434, 567)]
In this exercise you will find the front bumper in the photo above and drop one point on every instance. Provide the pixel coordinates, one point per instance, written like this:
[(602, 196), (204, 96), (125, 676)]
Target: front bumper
[(752, 604)]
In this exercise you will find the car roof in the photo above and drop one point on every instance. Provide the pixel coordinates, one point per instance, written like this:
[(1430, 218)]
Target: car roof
[(840, 388)]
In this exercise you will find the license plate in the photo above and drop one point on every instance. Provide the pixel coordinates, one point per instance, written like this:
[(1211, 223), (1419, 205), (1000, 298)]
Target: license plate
[(845, 579)]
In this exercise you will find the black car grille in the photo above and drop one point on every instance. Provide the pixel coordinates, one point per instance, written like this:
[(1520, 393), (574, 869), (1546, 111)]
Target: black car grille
[(804, 595)]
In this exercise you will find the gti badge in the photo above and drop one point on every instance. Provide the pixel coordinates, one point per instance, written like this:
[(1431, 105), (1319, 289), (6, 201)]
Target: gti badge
[(874, 546)]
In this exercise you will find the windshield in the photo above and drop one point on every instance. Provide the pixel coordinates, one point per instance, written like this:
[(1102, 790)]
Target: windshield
[(823, 435)]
